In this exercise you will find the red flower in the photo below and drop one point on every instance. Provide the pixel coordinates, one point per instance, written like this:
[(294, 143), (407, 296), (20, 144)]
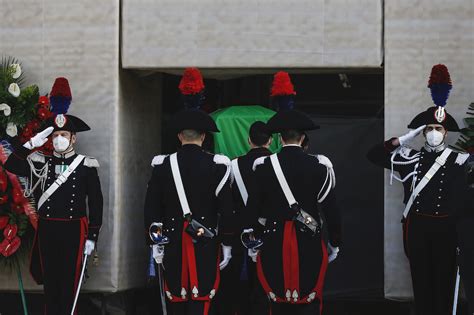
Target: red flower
[(282, 84), (44, 113), (26, 135), (17, 208), (35, 124), (9, 247), (3, 181), (17, 195), (191, 82), (43, 101), (3, 221), (10, 231), (3, 199), (29, 130)]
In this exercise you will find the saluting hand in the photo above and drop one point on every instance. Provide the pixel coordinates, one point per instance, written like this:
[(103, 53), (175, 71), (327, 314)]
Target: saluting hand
[(408, 137), (38, 140)]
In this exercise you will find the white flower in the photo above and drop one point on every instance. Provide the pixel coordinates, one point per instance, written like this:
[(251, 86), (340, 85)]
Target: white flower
[(14, 89), (16, 70), (6, 109), (11, 129)]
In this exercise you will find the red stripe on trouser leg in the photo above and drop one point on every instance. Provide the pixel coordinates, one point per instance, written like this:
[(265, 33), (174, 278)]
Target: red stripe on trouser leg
[(191, 260), (295, 263), (322, 274), (184, 259), (80, 253), (291, 268), (207, 306), (261, 276), (286, 256)]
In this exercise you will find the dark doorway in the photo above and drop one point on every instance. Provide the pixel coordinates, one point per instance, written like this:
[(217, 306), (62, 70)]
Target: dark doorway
[(349, 108)]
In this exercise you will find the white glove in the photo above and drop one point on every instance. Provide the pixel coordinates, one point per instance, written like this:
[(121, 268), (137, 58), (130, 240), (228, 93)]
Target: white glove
[(253, 253), (89, 247), (412, 134), (38, 140), (226, 256), (158, 253), (333, 251)]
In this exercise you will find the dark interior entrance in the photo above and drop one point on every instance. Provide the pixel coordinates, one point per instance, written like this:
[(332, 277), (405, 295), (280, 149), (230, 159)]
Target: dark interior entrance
[(349, 108)]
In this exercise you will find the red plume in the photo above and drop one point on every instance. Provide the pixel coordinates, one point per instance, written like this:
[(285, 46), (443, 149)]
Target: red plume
[(191, 82), (61, 88), (439, 74), (282, 84)]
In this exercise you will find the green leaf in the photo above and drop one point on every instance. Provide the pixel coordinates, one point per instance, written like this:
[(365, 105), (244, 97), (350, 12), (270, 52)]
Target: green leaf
[(467, 132), (469, 121)]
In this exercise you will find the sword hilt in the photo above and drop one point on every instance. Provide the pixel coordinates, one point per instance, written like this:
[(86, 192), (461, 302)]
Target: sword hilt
[(156, 234)]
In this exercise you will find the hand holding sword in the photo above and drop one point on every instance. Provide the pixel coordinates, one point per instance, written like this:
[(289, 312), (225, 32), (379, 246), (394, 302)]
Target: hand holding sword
[(89, 246), (250, 242), (157, 253)]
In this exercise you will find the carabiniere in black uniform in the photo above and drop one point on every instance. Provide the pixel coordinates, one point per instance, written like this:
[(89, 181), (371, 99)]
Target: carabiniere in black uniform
[(429, 231), (64, 222), (191, 267), (292, 262), (191, 260), (241, 293)]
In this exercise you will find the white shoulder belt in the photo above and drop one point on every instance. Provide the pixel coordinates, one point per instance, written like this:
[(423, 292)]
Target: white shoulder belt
[(178, 182), (239, 180), (440, 161), (62, 178)]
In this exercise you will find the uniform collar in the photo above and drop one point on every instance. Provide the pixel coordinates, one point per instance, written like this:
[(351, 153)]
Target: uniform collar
[(259, 150), (436, 149), (291, 148), (65, 155), (190, 147)]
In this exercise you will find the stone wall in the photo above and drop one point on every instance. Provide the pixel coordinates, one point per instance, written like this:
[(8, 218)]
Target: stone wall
[(251, 34), (78, 40)]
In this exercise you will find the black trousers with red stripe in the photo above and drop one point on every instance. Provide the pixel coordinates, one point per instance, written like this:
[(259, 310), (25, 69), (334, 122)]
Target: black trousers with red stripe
[(61, 246), (466, 259), (240, 291), (295, 309), (189, 308), (431, 248)]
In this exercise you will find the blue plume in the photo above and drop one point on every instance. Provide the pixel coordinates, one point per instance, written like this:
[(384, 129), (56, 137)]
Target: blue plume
[(283, 102), (59, 104), (193, 101), (440, 93)]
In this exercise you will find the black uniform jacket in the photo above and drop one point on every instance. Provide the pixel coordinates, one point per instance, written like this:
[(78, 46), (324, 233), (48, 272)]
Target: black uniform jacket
[(191, 269), (245, 163), (292, 263), (72, 199), (440, 195)]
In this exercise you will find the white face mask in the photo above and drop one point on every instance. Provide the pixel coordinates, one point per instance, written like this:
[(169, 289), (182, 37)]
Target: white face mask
[(434, 138), (60, 144)]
